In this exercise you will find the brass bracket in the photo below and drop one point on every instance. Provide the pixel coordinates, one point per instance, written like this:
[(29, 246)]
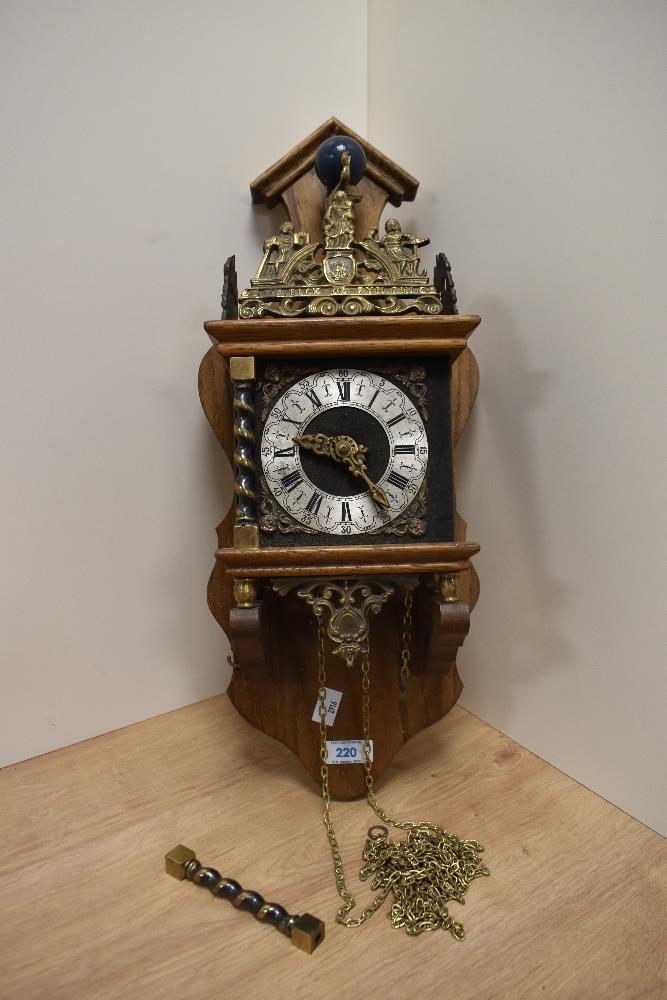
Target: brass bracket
[(347, 605)]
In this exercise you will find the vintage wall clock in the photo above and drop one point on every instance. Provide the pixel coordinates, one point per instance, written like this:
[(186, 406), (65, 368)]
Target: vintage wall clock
[(338, 384)]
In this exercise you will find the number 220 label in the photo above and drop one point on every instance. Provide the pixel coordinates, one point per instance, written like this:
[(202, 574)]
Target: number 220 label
[(347, 751)]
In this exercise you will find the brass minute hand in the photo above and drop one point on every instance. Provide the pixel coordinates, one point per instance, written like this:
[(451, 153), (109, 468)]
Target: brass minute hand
[(344, 449)]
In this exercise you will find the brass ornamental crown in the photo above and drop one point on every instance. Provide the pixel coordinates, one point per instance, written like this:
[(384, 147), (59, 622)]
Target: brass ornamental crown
[(342, 274)]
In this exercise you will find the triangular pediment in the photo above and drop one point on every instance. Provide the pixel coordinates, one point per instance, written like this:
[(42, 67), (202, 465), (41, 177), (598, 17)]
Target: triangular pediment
[(268, 188)]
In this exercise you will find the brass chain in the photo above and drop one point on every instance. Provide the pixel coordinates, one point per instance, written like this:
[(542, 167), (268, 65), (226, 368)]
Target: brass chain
[(423, 873), (348, 899), (406, 640)]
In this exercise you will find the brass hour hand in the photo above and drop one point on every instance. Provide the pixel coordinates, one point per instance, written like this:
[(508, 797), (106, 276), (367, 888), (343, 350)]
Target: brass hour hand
[(343, 448)]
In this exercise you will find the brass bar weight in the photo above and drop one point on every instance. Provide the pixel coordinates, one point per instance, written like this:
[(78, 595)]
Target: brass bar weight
[(305, 931)]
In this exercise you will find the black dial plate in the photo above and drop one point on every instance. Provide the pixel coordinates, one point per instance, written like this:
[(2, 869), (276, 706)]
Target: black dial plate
[(331, 477)]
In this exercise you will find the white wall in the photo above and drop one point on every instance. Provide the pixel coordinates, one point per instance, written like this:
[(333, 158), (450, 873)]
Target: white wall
[(130, 131), (537, 131)]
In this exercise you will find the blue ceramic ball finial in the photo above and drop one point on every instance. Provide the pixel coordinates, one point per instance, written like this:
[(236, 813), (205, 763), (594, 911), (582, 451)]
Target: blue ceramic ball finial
[(328, 160)]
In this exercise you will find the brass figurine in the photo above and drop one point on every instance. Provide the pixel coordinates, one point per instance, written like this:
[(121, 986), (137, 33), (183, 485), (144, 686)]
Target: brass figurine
[(401, 247), (277, 251)]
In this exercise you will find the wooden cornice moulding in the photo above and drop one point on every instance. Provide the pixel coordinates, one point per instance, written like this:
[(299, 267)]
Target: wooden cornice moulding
[(309, 348), (446, 335)]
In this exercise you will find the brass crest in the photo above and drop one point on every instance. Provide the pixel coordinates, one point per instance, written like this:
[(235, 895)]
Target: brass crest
[(342, 275)]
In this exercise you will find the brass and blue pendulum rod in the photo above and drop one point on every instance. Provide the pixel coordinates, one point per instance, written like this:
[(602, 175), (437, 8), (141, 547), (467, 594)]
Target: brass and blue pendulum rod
[(305, 931)]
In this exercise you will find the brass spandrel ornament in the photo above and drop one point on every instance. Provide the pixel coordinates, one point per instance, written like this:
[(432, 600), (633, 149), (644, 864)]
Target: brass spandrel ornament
[(340, 275)]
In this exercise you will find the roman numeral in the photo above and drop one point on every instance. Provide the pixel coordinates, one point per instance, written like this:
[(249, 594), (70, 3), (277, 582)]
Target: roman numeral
[(404, 449), (297, 423), (375, 396), (396, 479), (313, 397), (344, 391), (313, 505), (286, 452), (345, 508), (292, 480), (396, 420)]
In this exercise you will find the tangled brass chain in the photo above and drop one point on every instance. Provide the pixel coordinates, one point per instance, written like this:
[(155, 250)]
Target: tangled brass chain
[(424, 872)]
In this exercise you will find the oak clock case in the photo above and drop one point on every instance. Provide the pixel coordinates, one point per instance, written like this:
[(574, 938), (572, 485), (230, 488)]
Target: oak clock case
[(362, 381)]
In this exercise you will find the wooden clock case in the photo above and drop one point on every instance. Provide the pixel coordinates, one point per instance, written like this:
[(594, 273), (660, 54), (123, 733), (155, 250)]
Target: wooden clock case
[(274, 682)]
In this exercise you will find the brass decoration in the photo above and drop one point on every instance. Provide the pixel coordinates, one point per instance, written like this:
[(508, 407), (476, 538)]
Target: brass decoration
[(449, 588), (245, 592), (277, 252), (273, 517), (342, 275), (277, 380), (242, 369), (411, 522), (246, 536), (344, 449), (414, 380), (347, 605), (284, 585)]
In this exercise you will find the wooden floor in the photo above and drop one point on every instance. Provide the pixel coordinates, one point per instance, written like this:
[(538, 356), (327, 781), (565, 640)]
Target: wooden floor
[(575, 906)]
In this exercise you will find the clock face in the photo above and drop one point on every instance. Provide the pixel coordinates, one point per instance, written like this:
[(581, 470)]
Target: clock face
[(312, 481)]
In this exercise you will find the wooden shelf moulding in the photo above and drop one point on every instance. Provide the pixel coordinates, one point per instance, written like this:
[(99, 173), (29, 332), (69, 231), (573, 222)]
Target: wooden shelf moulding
[(444, 557), (396, 335)]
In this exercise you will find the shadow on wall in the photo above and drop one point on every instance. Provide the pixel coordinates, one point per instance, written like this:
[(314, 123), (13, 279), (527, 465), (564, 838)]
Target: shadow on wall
[(516, 632), (211, 471), (217, 480), (193, 642)]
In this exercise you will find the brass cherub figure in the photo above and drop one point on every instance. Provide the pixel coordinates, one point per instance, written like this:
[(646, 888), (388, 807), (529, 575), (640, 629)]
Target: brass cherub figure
[(401, 248)]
